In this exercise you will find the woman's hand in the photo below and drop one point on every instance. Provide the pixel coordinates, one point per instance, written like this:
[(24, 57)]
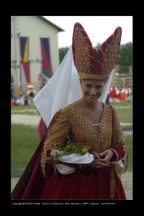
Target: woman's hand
[(106, 156), (98, 164), (101, 160)]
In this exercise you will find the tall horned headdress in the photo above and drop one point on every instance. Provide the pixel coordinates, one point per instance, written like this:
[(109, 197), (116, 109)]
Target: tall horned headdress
[(94, 63)]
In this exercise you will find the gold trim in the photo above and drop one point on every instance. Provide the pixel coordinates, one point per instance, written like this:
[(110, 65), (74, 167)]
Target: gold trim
[(93, 76)]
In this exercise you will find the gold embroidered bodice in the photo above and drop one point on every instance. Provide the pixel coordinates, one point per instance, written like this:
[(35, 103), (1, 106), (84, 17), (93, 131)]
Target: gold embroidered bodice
[(98, 137)]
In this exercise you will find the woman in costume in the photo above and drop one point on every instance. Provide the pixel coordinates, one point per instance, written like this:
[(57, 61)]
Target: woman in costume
[(83, 149)]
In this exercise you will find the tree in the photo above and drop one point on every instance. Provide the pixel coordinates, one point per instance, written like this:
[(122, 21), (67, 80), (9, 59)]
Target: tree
[(125, 56), (125, 59), (62, 53)]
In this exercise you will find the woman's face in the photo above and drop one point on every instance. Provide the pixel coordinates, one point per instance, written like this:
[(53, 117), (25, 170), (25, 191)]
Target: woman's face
[(92, 89)]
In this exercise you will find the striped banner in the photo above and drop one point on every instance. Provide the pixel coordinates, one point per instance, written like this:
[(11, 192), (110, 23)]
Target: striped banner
[(46, 58), (24, 64)]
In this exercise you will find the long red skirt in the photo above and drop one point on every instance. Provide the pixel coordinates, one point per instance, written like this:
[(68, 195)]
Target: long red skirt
[(84, 184)]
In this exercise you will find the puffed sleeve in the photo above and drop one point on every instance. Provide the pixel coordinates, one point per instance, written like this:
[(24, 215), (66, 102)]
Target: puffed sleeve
[(118, 141), (56, 135), (58, 131)]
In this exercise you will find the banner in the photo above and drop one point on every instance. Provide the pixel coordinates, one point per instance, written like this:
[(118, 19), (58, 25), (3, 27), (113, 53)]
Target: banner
[(24, 65), (46, 59)]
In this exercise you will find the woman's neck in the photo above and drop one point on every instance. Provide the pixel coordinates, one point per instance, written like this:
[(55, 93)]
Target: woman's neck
[(88, 105)]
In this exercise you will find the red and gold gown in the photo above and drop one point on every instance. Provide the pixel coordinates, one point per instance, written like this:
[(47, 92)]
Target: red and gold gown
[(84, 183)]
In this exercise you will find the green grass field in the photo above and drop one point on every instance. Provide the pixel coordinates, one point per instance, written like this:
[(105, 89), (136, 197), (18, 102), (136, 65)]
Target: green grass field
[(24, 110), (23, 107), (24, 140), (124, 110)]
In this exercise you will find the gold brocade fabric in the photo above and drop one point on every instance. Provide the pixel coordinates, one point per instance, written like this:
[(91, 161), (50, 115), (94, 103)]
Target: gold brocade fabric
[(69, 122), (94, 63)]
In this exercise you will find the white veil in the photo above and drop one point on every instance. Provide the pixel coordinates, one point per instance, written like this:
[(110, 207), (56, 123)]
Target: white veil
[(62, 89)]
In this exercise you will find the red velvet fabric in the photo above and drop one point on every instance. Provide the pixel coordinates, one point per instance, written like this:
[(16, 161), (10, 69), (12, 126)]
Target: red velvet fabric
[(119, 150), (83, 184), (41, 128)]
